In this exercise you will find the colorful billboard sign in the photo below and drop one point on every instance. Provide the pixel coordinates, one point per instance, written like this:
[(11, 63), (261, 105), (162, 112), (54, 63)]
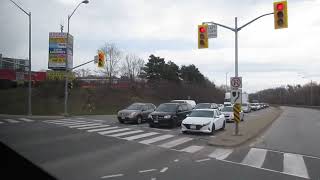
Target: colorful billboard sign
[(58, 51)]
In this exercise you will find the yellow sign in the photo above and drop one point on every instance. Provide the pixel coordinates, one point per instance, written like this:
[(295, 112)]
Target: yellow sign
[(280, 14), (203, 36), (59, 75), (236, 112)]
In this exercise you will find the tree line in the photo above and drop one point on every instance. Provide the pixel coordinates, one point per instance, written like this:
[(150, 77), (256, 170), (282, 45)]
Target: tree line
[(308, 94)]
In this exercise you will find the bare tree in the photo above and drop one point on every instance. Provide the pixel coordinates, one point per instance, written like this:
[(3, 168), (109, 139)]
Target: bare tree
[(113, 58), (82, 72), (132, 66)]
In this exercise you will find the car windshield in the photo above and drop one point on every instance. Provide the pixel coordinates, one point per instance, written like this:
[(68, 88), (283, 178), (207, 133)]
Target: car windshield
[(167, 108), (201, 114), (227, 109), (203, 106), (135, 107)]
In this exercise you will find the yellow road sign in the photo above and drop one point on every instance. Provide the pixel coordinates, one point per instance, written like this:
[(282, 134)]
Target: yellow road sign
[(236, 112)]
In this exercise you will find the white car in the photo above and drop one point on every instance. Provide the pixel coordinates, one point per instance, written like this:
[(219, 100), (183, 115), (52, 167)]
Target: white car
[(191, 102), (203, 120), (227, 111)]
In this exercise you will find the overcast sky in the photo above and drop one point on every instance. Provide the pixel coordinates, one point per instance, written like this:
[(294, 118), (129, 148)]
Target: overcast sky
[(168, 28)]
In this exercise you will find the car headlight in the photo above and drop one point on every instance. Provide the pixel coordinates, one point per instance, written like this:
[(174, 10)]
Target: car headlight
[(132, 114), (167, 116), (206, 124), (149, 116)]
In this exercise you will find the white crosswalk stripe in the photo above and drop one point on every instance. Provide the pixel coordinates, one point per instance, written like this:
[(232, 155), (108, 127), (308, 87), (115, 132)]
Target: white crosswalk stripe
[(156, 139), (102, 129), (140, 136), (85, 125), (67, 122), (192, 149), (113, 131), (175, 142), (1, 122), (255, 157), (73, 124), (294, 164), (92, 127), (126, 133), (220, 153), (26, 120), (11, 120), (62, 121)]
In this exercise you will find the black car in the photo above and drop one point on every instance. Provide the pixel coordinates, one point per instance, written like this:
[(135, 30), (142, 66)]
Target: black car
[(169, 114), (136, 112)]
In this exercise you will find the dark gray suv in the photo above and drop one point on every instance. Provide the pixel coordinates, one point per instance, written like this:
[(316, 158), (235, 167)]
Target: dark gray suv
[(136, 112)]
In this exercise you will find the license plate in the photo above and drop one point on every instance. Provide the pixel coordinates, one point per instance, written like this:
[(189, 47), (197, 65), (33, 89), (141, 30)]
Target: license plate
[(193, 127), (156, 121), (123, 117)]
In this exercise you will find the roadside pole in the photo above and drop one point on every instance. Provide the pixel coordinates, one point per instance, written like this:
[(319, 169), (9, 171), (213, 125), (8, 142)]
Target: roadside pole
[(236, 30)]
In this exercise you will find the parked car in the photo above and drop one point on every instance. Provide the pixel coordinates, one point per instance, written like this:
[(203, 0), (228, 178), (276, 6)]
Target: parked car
[(254, 106), (227, 104), (169, 114), (227, 111), (191, 102), (220, 107), (206, 106), (246, 108), (136, 112), (204, 120)]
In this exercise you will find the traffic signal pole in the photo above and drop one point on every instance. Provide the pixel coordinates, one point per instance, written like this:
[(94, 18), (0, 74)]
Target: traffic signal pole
[(236, 30)]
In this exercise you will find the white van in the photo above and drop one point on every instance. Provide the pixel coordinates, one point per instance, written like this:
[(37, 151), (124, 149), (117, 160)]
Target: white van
[(191, 102)]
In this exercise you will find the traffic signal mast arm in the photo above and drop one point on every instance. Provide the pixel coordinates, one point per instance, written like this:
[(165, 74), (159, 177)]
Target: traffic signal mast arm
[(82, 64), (238, 29)]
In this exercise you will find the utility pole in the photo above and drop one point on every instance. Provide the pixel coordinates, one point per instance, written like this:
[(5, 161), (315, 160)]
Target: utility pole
[(236, 29), (311, 95), (227, 81), (29, 83)]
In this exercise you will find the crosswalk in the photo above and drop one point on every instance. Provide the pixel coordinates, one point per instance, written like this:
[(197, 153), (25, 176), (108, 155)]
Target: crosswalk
[(290, 164), (14, 120)]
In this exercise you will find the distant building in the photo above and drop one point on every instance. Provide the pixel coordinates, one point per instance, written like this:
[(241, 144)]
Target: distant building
[(13, 63)]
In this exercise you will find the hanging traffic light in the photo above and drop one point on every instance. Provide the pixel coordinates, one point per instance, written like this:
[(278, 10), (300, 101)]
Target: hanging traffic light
[(203, 36), (280, 14), (101, 58)]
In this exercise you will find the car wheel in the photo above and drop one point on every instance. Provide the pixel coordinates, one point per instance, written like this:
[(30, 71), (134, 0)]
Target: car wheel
[(213, 128), (224, 125), (151, 125), (139, 120), (242, 118), (184, 132), (120, 121)]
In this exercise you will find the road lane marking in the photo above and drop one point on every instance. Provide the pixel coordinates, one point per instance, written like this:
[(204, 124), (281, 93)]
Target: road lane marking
[(126, 133), (74, 124), (111, 176), (294, 164), (175, 142), (176, 160), (130, 138), (11, 120), (114, 131), (26, 120), (164, 169), (92, 127), (220, 153), (147, 170), (255, 157), (153, 178), (156, 139), (64, 121), (313, 157), (201, 160), (102, 129), (192, 149), (84, 125), (1, 122)]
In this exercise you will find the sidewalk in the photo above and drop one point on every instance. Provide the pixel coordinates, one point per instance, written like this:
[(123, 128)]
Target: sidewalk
[(248, 129)]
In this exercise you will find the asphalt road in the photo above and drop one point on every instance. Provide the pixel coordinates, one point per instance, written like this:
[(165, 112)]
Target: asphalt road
[(101, 148)]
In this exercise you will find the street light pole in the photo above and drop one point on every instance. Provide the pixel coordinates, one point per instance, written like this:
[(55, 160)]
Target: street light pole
[(67, 63), (311, 95), (236, 29), (227, 81), (29, 84)]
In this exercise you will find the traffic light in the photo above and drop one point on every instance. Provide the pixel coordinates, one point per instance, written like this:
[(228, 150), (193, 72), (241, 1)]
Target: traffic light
[(280, 14), (101, 58), (203, 36), (70, 85)]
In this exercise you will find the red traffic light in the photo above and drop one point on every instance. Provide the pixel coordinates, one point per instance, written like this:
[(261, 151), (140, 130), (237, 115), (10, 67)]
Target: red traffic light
[(280, 7), (202, 29)]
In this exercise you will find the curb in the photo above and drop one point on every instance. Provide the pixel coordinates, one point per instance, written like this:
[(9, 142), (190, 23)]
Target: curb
[(250, 138)]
